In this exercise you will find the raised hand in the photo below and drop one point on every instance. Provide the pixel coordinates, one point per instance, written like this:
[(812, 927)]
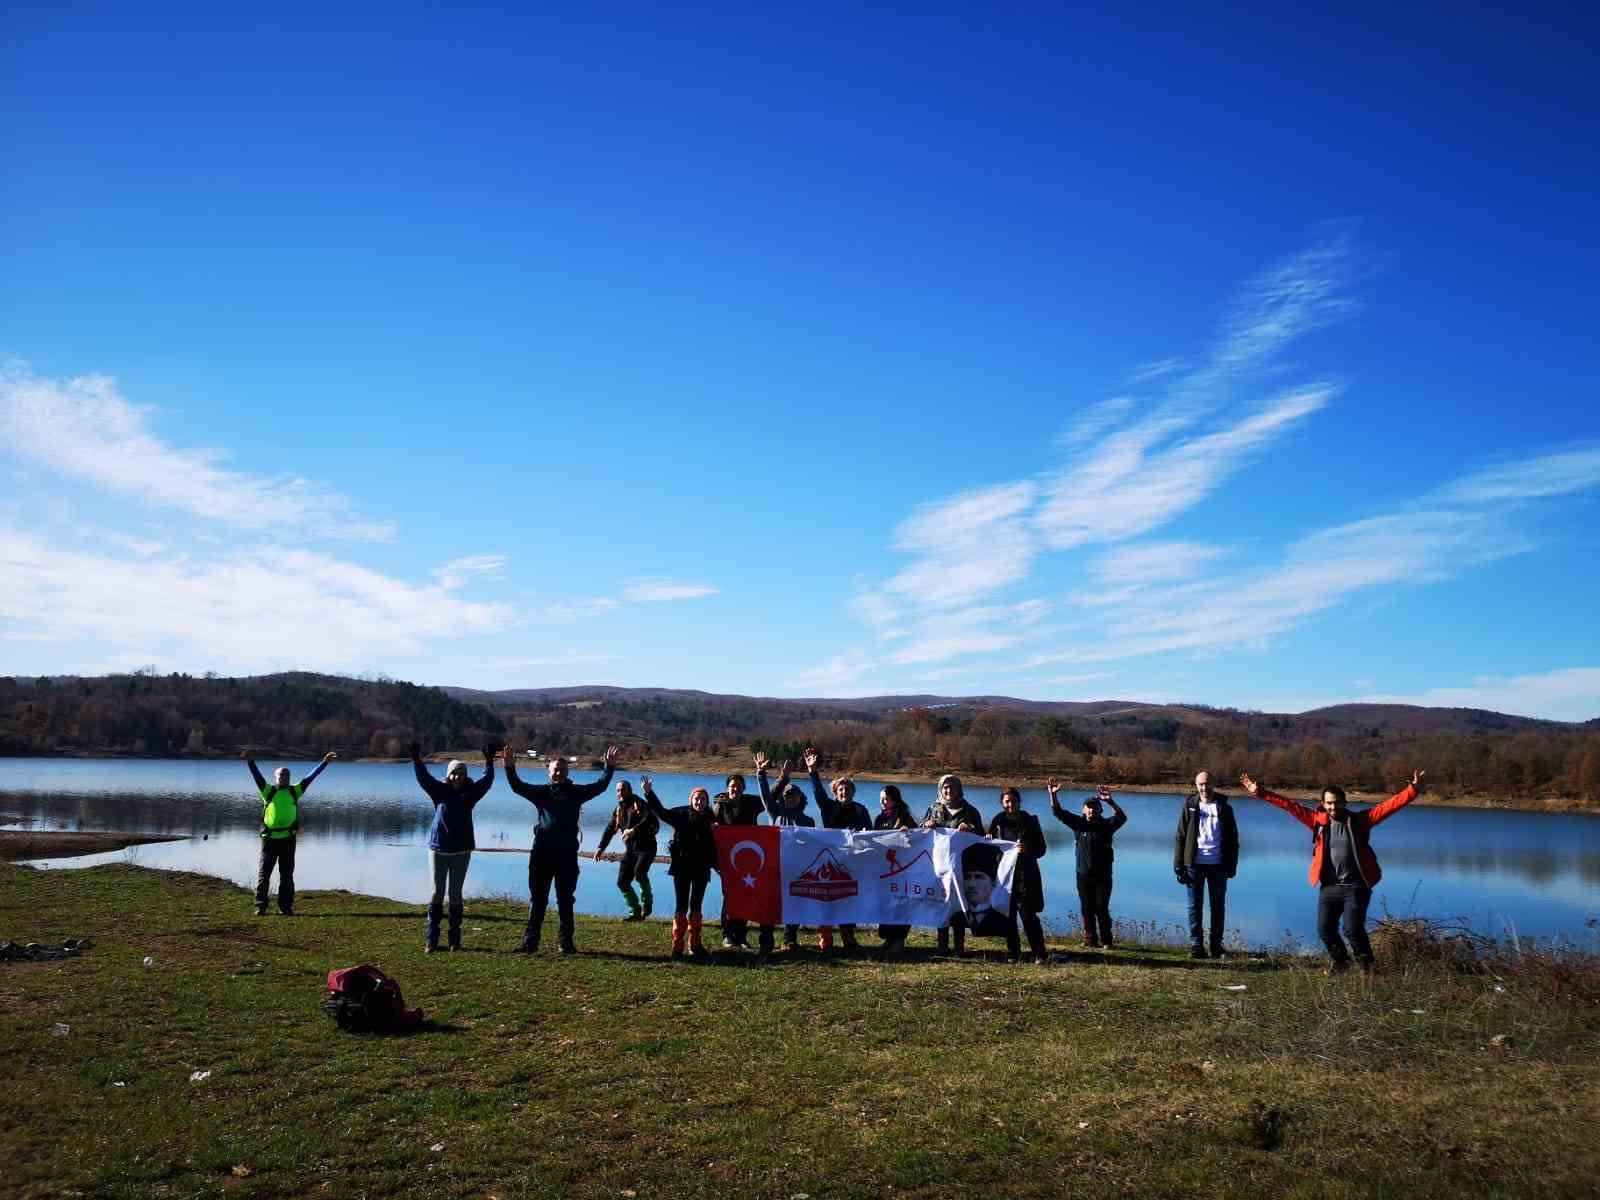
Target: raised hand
[(508, 758), (1416, 779), (246, 755), (812, 758), (644, 783), (416, 749), (1248, 782), (1053, 786), (330, 756), (762, 761), (786, 770), (611, 756)]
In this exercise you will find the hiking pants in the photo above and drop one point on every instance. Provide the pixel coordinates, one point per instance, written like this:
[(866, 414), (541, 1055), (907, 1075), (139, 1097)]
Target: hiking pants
[(449, 875), (1346, 901), (1034, 930), (633, 866), (547, 866), (276, 852), (689, 894), (1094, 903)]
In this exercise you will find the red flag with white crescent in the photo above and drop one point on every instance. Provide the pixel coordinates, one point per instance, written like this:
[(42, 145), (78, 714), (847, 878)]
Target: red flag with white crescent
[(752, 872)]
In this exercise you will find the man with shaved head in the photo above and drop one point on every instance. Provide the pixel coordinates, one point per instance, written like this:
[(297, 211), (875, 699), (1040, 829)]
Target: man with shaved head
[(280, 822), (1205, 855)]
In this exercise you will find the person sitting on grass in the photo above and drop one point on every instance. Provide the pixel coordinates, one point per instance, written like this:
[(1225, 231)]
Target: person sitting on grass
[(280, 822), (1093, 835), (893, 814), (693, 850), (1012, 824), (951, 811), (554, 857), (839, 811), (1343, 867), (638, 827), (450, 837)]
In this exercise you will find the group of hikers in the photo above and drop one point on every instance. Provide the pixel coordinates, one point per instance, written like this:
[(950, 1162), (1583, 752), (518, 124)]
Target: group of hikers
[(1205, 853)]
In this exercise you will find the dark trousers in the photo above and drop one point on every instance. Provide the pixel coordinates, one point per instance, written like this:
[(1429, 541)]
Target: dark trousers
[(1344, 903), (894, 933), (547, 866), (633, 866), (1030, 926), (276, 852), (1207, 879), (1094, 903), (689, 894)]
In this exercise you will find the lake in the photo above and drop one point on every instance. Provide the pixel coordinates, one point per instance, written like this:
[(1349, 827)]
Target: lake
[(364, 828)]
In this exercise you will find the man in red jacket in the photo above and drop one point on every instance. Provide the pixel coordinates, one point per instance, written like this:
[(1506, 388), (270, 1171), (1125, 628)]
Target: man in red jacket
[(1343, 865)]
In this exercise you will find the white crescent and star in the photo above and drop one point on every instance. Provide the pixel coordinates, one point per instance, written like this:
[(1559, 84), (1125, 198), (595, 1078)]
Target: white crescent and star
[(761, 860)]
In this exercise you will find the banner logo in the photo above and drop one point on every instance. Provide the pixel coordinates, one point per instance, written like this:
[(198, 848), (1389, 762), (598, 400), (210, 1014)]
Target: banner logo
[(896, 867), (825, 879)]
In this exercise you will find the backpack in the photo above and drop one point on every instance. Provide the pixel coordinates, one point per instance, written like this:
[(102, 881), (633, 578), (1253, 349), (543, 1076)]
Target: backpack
[(365, 1000)]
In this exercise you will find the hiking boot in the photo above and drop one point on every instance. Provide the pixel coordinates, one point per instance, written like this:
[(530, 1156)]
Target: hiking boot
[(1041, 960), (567, 947), (1338, 967), (729, 944), (526, 946), (1197, 951), (1090, 942), (261, 910), (632, 917), (430, 948)]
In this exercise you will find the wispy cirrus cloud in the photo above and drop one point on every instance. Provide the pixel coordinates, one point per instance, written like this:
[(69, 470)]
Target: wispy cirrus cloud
[(1567, 694), (1128, 467), (577, 610), (262, 609), (458, 571), (84, 428), (652, 591)]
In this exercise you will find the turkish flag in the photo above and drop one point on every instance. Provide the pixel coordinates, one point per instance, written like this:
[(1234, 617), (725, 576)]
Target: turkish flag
[(748, 857)]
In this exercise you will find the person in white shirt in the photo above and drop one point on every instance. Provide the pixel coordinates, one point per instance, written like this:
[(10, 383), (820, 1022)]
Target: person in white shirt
[(1205, 855)]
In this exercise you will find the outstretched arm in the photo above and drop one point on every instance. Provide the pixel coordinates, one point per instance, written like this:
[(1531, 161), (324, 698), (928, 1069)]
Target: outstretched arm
[(826, 804), (318, 769), (255, 771), (534, 793), (767, 802), (1382, 812), (1121, 818), (425, 779), (480, 788), (1300, 812), (588, 791), (653, 804)]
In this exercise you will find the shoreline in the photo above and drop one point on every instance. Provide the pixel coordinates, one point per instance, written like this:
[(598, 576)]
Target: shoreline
[(22, 845), (1031, 779)]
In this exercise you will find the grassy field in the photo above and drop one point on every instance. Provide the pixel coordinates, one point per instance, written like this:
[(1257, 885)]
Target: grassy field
[(617, 1073)]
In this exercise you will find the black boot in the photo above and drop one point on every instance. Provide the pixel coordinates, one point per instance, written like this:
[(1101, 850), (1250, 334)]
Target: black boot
[(455, 927), (431, 937), (944, 939)]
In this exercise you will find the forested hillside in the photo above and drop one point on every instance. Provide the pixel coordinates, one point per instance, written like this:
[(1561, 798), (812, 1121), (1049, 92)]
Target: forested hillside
[(1369, 747), (146, 713)]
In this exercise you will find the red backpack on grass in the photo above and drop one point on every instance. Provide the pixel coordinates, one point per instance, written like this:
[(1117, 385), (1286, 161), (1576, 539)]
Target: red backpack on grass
[(365, 1000)]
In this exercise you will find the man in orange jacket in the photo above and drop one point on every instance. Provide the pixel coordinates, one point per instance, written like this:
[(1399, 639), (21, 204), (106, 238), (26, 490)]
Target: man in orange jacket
[(1343, 866)]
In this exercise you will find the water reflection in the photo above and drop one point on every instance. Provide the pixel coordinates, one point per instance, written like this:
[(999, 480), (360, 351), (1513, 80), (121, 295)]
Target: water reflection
[(363, 828)]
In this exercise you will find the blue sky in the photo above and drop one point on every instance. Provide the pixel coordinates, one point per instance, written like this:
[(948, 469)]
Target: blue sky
[(1234, 358)]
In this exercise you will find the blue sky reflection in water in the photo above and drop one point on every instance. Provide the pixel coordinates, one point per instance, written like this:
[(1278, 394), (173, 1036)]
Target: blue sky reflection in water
[(364, 827)]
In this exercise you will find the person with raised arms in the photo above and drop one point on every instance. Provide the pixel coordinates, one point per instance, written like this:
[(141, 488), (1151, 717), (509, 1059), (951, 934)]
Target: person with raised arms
[(788, 807), (735, 806), (1344, 870), (638, 826), (951, 811), (280, 823), (893, 814), (554, 857), (450, 836), (840, 810), (1013, 824), (693, 850), (1092, 835)]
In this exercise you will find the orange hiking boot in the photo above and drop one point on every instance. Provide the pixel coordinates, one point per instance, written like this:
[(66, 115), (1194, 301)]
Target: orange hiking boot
[(825, 938), (680, 926), (696, 946)]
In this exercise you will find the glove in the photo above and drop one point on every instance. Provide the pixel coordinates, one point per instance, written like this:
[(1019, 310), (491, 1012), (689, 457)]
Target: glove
[(1184, 877), (490, 750), (416, 749)]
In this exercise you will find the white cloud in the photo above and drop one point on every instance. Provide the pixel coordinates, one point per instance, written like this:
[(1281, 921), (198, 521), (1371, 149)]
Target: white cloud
[(1153, 562), (651, 591), (967, 546), (1151, 371), (83, 428), (455, 573), (1556, 474), (841, 673), (1570, 694), (574, 610), (261, 609)]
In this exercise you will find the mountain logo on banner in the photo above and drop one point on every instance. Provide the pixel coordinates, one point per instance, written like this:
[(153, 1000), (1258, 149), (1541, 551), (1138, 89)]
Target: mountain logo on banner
[(896, 867), (824, 879)]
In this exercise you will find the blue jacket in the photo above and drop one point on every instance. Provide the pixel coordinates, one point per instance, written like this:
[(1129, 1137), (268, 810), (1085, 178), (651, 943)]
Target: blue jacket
[(451, 831)]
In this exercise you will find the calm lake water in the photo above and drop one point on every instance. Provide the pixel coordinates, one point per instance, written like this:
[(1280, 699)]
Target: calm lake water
[(364, 828)]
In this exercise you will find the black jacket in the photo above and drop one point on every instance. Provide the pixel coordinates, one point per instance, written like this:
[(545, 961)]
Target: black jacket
[(1183, 842), (849, 815), (746, 810), (558, 805), (1027, 887), (637, 819), (1093, 839), (693, 847)]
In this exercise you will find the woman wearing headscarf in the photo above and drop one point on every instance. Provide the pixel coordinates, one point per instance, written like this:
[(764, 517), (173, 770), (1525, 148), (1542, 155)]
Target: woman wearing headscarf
[(637, 826), (951, 811), (893, 814), (693, 850), (1012, 824), (450, 837)]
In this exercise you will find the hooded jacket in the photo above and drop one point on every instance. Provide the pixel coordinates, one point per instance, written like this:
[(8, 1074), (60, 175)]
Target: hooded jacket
[(635, 818), (693, 848), (1361, 823), (451, 831)]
